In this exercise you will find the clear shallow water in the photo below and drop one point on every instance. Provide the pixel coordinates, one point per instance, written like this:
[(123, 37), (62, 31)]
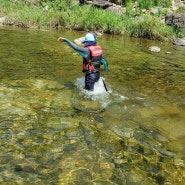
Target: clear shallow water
[(54, 132)]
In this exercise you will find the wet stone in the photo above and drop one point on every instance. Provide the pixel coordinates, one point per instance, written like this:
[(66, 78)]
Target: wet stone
[(179, 162), (154, 49), (80, 176), (120, 161), (167, 153), (124, 132), (134, 177), (37, 105), (160, 138), (26, 167)]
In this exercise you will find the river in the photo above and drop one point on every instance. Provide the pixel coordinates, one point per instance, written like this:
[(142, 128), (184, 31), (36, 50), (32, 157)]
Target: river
[(53, 132)]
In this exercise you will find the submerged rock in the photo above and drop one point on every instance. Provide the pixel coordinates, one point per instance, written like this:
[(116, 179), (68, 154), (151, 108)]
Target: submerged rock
[(166, 152), (25, 166), (37, 105), (179, 162), (124, 132)]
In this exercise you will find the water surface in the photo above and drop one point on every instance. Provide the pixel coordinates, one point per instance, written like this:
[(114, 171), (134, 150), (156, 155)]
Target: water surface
[(54, 132)]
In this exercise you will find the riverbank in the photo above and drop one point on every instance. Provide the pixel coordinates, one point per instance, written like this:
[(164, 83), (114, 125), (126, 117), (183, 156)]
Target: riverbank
[(88, 18)]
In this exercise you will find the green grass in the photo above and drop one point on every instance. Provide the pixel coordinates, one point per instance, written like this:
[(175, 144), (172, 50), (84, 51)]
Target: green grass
[(86, 18), (150, 28), (90, 18)]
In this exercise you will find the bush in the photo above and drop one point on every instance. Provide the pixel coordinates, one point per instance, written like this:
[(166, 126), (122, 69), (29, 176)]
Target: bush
[(150, 28)]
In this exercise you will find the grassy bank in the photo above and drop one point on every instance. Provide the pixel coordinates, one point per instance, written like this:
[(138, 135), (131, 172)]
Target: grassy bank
[(73, 16)]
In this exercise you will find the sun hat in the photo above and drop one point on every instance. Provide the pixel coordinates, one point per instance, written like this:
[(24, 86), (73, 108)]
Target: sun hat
[(90, 37)]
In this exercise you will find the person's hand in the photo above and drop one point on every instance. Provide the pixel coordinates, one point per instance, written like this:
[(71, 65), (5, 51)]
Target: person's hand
[(60, 39)]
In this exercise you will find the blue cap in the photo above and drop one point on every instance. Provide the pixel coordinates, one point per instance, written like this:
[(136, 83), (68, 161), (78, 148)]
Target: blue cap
[(90, 37)]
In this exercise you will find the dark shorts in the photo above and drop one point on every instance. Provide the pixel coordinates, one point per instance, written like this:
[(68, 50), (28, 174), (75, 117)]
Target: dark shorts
[(90, 80)]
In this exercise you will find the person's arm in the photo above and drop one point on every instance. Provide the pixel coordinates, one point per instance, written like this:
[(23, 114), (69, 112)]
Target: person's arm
[(105, 63), (84, 52)]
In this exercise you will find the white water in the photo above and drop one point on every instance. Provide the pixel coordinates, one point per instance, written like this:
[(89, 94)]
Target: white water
[(98, 87), (100, 95)]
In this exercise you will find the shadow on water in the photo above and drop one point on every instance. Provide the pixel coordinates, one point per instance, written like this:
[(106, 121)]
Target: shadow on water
[(52, 131)]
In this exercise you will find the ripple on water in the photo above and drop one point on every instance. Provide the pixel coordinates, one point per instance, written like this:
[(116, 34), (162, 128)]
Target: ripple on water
[(97, 100)]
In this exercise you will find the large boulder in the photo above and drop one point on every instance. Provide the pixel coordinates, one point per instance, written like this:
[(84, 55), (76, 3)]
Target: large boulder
[(117, 2), (177, 21), (100, 3), (179, 41)]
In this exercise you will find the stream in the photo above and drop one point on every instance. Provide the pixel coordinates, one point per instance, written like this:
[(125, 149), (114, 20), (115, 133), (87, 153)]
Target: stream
[(53, 132)]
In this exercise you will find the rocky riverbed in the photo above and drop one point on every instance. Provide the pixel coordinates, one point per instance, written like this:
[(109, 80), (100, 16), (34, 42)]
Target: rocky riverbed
[(83, 150)]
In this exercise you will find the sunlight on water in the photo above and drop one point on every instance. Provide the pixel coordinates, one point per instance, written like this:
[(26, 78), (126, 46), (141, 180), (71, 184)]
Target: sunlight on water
[(98, 87), (99, 95), (55, 132)]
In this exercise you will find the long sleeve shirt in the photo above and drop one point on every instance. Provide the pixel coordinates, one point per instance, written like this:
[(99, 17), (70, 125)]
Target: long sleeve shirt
[(85, 53)]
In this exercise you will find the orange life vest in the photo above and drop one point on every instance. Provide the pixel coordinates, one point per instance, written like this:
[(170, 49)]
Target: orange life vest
[(92, 65)]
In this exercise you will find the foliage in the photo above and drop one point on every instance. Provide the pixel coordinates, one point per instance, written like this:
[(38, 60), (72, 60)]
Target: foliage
[(151, 28), (179, 33), (57, 5), (147, 4), (130, 12), (27, 16), (64, 13), (93, 19)]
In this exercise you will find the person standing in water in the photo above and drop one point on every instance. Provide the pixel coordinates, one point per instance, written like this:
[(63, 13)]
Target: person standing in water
[(93, 58)]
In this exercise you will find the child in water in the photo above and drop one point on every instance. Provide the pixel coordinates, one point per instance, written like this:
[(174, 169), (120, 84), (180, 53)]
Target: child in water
[(93, 58)]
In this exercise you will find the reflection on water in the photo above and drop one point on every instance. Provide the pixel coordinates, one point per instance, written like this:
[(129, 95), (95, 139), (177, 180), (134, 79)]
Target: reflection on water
[(52, 131)]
